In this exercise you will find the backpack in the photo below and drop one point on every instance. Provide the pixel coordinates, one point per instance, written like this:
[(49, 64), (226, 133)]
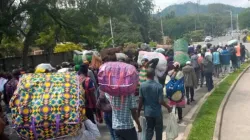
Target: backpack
[(90, 98), (175, 89), (118, 78), (48, 105), (103, 103), (10, 88)]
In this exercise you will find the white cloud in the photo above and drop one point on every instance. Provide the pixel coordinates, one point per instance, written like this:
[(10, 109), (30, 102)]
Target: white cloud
[(164, 3)]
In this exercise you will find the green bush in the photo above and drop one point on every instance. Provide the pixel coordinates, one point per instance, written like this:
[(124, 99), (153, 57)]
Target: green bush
[(152, 44), (66, 47)]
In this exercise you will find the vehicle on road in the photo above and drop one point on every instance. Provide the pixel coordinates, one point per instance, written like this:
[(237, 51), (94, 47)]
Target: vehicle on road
[(208, 39)]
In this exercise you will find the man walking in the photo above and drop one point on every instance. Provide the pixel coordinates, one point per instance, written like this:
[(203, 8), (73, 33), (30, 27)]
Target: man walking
[(225, 57), (122, 110), (242, 52), (151, 97), (238, 55), (216, 62), (196, 66), (190, 81), (208, 71)]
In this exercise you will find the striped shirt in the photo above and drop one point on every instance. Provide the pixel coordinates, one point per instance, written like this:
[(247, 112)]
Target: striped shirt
[(142, 75), (121, 112)]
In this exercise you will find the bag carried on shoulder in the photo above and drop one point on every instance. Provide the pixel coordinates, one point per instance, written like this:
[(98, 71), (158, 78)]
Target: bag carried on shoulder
[(175, 89), (118, 78), (48, 106)]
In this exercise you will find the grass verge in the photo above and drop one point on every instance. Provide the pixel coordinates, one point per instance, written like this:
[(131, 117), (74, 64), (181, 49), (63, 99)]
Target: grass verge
[(203, 125)]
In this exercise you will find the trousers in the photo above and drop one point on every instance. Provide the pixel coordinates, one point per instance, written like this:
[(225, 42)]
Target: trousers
[(154, 124)]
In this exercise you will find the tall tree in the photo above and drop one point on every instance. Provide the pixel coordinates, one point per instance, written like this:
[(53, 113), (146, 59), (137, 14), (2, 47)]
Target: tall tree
[(244, 19)]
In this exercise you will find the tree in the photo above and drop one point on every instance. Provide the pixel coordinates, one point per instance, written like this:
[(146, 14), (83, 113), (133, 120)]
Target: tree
[(66, 47), (244, 19)]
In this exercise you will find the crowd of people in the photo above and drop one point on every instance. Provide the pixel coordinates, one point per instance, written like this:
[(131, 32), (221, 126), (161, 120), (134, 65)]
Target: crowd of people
[(205, 62)]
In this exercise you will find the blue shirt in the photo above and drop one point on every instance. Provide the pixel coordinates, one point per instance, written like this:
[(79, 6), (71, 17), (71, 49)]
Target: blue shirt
[(151, 93), (216, 58), (225, 57), (121, 111)]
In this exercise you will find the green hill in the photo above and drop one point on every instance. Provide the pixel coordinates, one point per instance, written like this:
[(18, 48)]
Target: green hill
[(190, 8)]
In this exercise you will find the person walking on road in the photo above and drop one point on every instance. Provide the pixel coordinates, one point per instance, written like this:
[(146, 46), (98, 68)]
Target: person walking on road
[(176, 74), (202, 76), (208, 71), (232, 51), (238, 55), (196, 66), (151, 97), (225, 57), (242, 52), (216, 62), (88, 86), (190, 81), (122, 110)]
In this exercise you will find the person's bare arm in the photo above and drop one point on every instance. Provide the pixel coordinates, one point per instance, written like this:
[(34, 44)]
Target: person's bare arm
[(139, 106), (161, 100), (136, 119), (163, 103), (133, 109), (140, 102)]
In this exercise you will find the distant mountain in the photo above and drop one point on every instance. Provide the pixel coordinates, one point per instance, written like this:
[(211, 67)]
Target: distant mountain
[(190, 8)]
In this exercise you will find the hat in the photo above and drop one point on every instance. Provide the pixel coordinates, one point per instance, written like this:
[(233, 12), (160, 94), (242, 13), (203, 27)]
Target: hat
[(176, 64), (188, 63)]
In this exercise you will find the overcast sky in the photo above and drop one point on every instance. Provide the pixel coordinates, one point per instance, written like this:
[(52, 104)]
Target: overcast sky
[(164, 3)]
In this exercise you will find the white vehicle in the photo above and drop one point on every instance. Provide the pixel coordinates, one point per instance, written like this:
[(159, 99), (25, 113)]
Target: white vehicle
[(208, 39)]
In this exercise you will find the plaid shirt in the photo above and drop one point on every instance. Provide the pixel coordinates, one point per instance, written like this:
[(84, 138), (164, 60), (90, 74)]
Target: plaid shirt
[(121, 114)]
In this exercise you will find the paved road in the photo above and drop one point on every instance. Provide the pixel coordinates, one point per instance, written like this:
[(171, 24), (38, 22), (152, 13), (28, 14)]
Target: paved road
[(223, 39), (236, 119)]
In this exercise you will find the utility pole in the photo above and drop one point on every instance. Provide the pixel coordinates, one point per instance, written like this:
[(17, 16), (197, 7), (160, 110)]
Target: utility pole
[(238, 22), (162, 30), (111, 28), (197, 18), (232, 28)]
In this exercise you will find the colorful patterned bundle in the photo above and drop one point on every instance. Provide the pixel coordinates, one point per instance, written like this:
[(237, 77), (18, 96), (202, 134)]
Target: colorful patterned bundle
[(48, 106)]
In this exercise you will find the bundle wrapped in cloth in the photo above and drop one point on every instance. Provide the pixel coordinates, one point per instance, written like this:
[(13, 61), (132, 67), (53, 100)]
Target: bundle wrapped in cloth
[(118, 78), (181, 45), (162, 64), (48, 105), (181, 57)]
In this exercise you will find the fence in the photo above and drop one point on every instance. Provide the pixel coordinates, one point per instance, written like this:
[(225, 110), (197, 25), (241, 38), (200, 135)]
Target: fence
[(7, 64)]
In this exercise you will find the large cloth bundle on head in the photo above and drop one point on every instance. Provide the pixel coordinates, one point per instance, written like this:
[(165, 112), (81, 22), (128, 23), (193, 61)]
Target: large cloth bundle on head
[(181, 57), (121, 56), (77, 58), (118, 78), (87, 56), (48, 105), (162, 64), (181, 45), (145, 47), (96, 62), (109, 54)]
